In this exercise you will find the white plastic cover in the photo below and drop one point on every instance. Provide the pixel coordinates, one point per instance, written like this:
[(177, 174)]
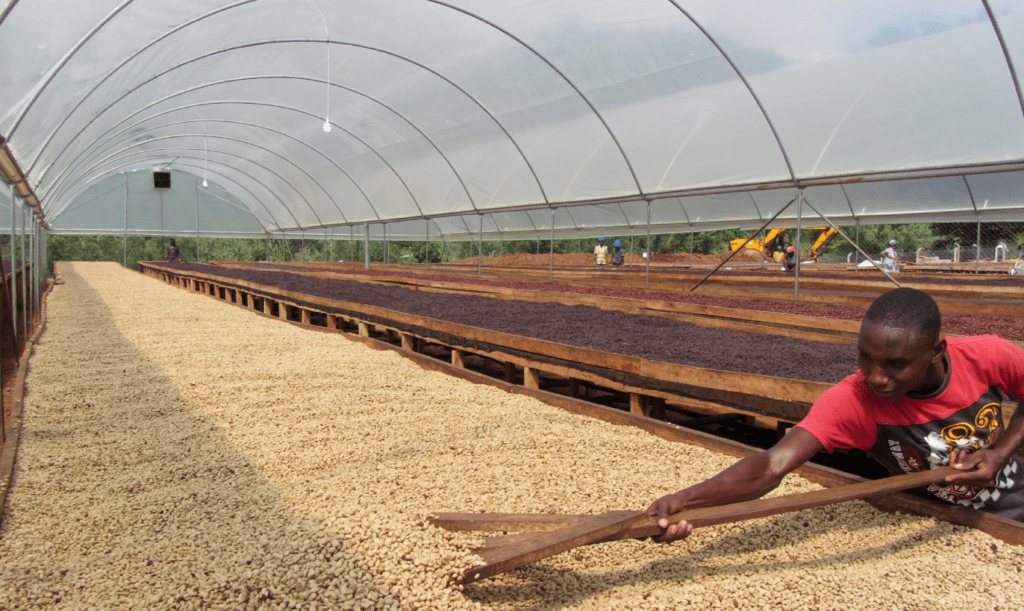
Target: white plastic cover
[(496, 112)]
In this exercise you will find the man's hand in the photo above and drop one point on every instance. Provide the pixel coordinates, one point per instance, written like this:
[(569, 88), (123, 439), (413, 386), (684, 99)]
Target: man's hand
[(662, 509), (980, 468)]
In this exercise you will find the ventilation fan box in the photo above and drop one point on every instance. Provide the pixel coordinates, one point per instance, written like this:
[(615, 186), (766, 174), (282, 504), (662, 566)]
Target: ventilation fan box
[(161, 180)]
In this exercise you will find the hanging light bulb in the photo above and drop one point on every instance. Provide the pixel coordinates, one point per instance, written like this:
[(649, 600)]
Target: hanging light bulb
[(204, 183), (327, 41)]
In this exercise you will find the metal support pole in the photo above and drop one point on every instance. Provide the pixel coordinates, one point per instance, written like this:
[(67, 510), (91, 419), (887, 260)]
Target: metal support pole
[(632, 255), (124, 240), (302, 244), (856, 242), (366, 246), (428, 243), (691, 246), (24, 279), (42, 255), (197, 226), (501, 247), (650, 255), (31, 277), (733, 253), (480, 261), (551, 260), (977, 250), (351, 245), (537, 259), (847, 238), (579, 251), (799, 227), (35, 265), (14, 268)]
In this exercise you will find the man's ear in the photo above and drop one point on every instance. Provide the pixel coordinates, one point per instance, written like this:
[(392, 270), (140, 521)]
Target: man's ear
[(939, 350)]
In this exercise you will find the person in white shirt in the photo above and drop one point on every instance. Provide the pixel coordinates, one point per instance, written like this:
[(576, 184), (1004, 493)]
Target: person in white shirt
[(891, 258)]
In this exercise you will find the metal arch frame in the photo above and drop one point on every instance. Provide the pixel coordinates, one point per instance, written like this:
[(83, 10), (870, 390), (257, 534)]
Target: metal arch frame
[(569, 82), (54, 71), (244, 103), (256, 145), (757, 208), (712, 191), (465, 93), (849, 203), (572, 219), (60, 176), (231, 204), (246, 174), (746, 84), (225, 178), (81, 43), (354, 182), (188, 164), (287, 135), (85, 39), (137, 144), (411, 124), (1006, 52), (183, 135), (7, 11)]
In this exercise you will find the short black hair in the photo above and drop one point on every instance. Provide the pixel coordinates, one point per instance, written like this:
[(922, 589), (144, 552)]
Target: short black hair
[(906, 308)]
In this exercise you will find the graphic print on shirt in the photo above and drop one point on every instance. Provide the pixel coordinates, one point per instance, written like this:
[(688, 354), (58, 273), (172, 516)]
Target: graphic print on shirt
[(910, 448)]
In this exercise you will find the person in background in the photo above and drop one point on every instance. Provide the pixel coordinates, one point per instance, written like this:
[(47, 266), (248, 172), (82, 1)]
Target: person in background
[(891, 258), (618, 253), (173, 252), (779, 255), (919, 401), (791, 256), (600, 253), (1018, 265)]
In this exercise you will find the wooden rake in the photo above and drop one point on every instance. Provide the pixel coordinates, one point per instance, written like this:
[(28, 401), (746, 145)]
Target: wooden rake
[(544, 535)]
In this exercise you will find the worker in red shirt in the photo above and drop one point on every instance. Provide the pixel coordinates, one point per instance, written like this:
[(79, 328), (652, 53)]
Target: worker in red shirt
[(918, 401)]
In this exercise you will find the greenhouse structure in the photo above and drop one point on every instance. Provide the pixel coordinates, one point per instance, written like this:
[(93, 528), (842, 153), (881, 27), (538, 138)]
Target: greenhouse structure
[(459, 120)]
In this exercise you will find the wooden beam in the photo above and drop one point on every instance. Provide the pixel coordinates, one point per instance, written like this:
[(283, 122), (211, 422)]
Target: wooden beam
[(531, 377), (638, 404)]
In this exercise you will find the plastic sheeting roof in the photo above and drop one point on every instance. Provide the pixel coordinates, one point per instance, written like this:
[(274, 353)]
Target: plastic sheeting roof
[(512, 115)]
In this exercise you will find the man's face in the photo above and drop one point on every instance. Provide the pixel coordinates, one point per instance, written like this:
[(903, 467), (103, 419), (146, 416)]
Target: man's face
[(897, 361)]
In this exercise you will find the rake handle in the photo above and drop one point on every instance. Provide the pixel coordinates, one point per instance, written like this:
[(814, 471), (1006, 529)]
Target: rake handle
[(760, 508), (614, 525)]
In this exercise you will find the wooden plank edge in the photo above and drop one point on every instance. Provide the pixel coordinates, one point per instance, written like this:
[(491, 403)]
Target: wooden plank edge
[(9, 455), (1006, 530), (795, 390)]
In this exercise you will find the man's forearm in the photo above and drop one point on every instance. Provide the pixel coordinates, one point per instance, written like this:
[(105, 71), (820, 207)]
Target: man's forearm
[(748, 479), (1012, 438)]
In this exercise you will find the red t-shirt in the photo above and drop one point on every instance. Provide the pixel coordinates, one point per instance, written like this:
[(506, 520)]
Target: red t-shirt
[(918, 432)]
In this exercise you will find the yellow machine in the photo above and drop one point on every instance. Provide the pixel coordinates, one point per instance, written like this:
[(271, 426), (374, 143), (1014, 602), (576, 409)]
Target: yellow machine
[(767, 245)]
